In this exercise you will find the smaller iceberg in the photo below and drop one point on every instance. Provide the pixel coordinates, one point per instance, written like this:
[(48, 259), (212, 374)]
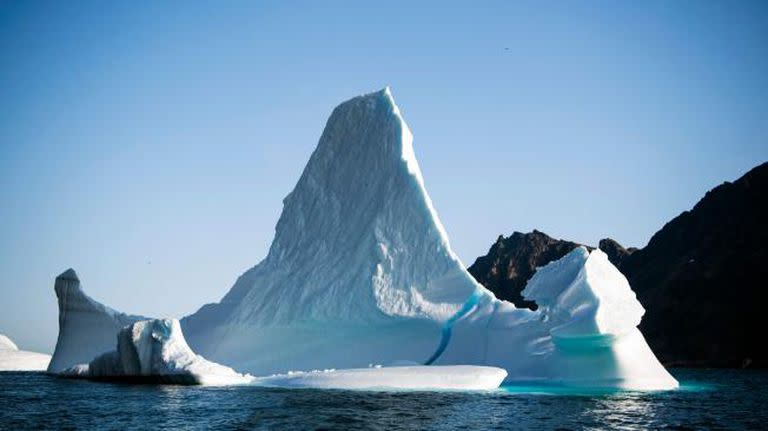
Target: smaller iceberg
[(585, 297), (13, 359), (155, 351)]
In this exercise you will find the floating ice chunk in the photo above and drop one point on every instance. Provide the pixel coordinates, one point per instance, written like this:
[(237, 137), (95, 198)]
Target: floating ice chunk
[(457, 377), (13, 359)]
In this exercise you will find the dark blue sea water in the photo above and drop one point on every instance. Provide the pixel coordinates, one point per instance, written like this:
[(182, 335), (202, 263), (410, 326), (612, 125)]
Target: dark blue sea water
[(709, 399)]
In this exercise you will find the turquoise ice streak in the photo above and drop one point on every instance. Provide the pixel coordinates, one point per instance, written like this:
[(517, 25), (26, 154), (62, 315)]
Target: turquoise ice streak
[(542, 388), (448, 326)]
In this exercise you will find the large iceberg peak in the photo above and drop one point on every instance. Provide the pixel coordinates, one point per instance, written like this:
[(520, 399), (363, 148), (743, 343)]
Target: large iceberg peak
[(358, 238)]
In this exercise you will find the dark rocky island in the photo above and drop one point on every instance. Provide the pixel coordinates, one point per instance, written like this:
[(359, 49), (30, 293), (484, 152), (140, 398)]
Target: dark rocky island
[(700, 277)]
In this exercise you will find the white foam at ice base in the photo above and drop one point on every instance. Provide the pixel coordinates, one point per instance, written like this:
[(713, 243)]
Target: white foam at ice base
[(13, 359), (361, 271)]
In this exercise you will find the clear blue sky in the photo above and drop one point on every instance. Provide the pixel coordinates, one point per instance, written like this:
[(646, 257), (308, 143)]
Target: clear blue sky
[(149, 144)]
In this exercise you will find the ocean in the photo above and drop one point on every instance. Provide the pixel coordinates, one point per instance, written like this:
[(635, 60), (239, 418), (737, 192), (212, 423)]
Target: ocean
[(708, 399)]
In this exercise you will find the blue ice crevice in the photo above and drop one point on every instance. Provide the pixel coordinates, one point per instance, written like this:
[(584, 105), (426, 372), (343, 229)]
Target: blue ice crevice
[(469, 304)]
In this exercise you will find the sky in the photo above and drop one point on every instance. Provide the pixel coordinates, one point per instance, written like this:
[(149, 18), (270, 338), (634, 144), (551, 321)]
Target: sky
[(149, 145)]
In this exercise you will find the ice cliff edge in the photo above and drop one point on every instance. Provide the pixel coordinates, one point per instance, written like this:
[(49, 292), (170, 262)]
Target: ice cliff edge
[(86, 327)]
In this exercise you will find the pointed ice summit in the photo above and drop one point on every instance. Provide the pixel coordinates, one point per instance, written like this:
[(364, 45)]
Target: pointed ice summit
[(361, 272)]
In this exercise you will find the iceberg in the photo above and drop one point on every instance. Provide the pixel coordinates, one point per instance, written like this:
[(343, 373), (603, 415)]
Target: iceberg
[(13, 359), (361, 271)]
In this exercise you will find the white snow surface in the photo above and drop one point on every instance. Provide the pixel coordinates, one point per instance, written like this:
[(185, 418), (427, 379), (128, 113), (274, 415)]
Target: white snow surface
[(596, 300), (7, 344), (13, 359), (361, 271), (156, 350), (457, 377)]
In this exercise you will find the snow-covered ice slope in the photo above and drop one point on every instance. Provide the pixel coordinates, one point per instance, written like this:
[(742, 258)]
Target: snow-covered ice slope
[(156, 351), (13, 359), (358, 260), (360, 271)]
